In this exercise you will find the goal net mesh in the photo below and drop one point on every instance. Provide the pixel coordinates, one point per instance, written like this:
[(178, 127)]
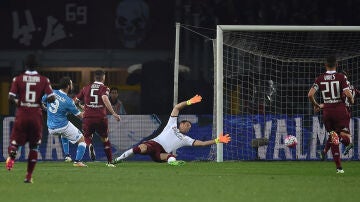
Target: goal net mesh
[(267, 75)]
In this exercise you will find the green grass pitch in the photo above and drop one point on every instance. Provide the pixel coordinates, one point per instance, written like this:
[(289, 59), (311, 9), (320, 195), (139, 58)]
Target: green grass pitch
[(195, 181)]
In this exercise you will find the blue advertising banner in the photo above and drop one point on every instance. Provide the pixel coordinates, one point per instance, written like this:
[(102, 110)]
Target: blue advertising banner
[(132, 129)]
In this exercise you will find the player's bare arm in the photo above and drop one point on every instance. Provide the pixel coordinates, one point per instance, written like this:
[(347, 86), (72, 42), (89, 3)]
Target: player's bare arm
[(311, 97), (349, 96), (107, 103), (181, 105)]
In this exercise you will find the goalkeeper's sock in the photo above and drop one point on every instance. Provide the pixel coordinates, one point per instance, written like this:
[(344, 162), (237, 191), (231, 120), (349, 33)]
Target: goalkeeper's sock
[(65, 145), (80, 151), (125, 155)]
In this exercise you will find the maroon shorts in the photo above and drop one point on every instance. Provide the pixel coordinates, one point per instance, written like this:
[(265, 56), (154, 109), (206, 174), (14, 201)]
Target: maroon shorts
[(154, 150), (91, 125), (336, 118), (27, 128)]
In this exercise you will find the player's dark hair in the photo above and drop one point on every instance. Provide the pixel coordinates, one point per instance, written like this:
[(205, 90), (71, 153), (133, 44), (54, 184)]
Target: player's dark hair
[(184, 121), (64, 82), (31, 62), (98, 74), (114, 88), (331, 61)]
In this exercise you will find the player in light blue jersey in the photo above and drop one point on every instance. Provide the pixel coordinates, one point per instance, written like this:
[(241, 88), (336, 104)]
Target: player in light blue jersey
[(57, 121)]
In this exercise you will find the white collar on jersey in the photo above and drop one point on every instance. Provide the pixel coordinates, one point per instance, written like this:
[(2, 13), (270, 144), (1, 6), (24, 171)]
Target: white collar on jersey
[(62, 92), (31, 72), (98, 82), (331, 72)]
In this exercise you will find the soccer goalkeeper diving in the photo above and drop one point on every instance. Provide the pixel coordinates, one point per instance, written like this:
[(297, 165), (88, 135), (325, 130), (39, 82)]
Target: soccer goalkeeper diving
[(173, 136)]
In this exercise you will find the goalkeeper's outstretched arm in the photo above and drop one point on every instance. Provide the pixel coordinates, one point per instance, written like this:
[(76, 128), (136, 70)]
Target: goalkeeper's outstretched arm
[(181, 105), (220, 139)]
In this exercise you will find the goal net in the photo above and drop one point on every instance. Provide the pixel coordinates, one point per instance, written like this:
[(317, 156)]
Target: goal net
[(263, 76)]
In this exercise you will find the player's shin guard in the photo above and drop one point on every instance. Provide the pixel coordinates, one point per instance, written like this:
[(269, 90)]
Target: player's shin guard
[(107, 149)]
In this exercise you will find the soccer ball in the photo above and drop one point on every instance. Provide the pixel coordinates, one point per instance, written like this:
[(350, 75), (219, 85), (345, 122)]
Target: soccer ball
[(290, 141)]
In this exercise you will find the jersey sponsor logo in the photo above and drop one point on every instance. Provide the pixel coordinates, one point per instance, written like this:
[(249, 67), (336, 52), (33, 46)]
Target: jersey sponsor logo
[(177, 133)]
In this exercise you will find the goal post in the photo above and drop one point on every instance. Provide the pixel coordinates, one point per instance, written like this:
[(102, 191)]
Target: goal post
[(262, 77)]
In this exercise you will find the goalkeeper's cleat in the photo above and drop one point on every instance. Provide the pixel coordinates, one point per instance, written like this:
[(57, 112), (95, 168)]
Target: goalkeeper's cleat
[(334, 138), (322, 155), (110, 165), (92, 152), (68, 158), (28, 180), (79, 164), (339, 170), (177, 163), (116, 161), (9, 163), (348, 148)]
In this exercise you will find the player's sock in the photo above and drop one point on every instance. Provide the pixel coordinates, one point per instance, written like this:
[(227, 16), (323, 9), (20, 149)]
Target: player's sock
[(336, 155), (80, 151), (327, 146), (125, 155), (65, 145), (107, 149), (32, 159)]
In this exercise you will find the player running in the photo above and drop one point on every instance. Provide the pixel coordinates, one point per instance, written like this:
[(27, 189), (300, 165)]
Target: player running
[(57, 121), (96, 99), (173, 136), (336, 117), (26, 92)]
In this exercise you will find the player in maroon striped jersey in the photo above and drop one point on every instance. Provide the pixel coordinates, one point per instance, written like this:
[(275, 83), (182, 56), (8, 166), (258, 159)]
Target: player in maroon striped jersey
[(26, 92), (95, 97), (336, 117)]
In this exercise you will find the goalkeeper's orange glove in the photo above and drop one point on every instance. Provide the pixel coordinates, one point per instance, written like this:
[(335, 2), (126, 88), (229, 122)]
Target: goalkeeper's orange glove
[(223, 138), (193, 100)]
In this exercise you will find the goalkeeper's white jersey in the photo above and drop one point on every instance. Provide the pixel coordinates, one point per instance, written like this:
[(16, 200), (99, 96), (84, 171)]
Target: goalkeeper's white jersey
[(171, 139)]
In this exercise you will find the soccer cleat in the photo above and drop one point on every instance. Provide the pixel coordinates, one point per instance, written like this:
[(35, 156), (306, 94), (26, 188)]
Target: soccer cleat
[(339, 170), (79, 164), (334, 138), (92, 152), (348, 148), (9, 163), (117, 161), (68, 158), (322, 155), (110, 165), (30, 180), (176, 163)]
